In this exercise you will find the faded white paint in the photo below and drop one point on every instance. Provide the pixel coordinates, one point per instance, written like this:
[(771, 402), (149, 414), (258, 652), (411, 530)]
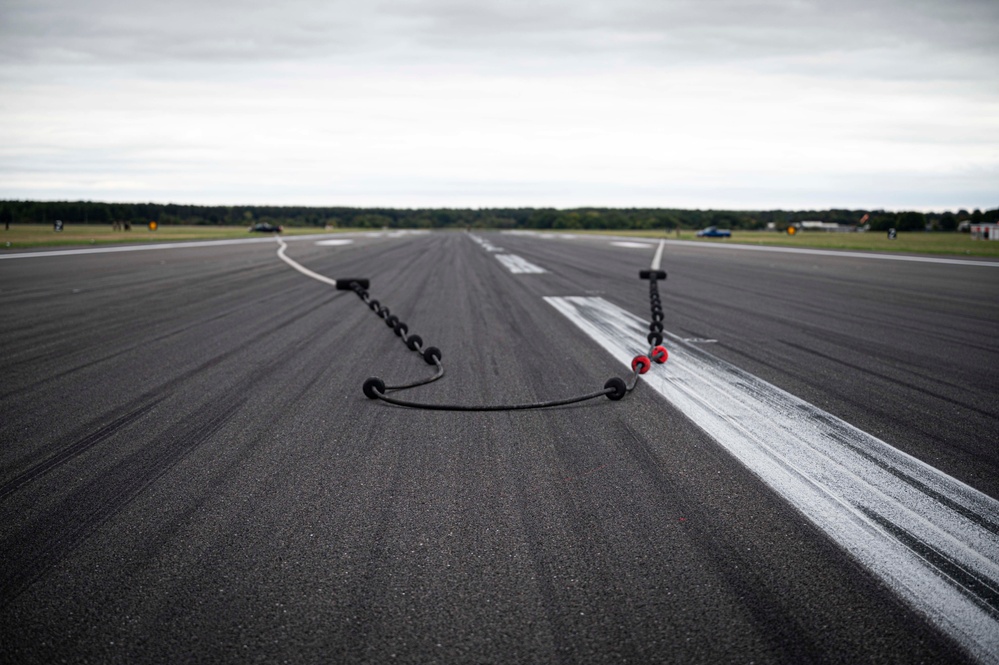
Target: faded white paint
[(631, 245), (658, 258), (697, 244), (485, 244), (878, 503), (137, 248), (518, 265), (299, 267)]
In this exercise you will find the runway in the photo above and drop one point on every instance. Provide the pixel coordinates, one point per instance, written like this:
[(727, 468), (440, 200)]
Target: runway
[(190, 471)]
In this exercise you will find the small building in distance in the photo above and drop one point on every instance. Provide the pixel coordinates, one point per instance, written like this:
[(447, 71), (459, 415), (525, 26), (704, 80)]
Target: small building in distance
[(985, 231)]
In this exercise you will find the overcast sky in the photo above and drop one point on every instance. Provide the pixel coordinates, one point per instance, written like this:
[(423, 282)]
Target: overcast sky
[(410, 103)]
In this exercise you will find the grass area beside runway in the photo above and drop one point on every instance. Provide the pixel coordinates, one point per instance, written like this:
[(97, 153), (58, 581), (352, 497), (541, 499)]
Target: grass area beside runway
[(906, 242), (24, 236)]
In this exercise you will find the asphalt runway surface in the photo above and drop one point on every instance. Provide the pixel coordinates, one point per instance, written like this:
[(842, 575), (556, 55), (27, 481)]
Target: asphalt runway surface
[(189, 471)]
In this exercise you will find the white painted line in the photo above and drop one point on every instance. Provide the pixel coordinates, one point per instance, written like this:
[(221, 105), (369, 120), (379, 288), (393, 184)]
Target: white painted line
[(334, 243), (929, 537), (485, 244), (837, 252), (788, 250), (142, 248), (299, 267), (658, 258), (398, 233), (518, 265), (131, 248), (631, 245)]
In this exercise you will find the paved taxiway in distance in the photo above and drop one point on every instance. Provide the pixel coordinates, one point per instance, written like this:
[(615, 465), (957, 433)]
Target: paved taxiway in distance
[(189, 470)]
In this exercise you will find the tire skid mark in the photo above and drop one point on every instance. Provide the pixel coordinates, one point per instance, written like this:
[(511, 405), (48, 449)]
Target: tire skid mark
[(980, 590), (971, 515), (796, 449), (854, 399), (43, 543), (74, 449), (94, 433), (762, 599), (692, 305), (37, 546), (62, 353), (867, 370)]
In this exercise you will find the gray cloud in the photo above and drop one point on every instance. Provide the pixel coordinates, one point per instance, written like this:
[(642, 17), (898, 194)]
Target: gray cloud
[(888, 101), (886, 38)]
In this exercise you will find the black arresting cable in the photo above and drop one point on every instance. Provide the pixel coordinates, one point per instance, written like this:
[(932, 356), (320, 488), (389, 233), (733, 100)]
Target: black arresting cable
[(614, 389), (431, 355), (655, 336)]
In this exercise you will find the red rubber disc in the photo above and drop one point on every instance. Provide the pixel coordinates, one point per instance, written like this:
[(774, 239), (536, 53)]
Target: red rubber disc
[(660, 354), (641, 364)]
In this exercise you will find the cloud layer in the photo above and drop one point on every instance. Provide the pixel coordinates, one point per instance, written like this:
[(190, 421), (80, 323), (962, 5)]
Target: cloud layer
[(718, 104)]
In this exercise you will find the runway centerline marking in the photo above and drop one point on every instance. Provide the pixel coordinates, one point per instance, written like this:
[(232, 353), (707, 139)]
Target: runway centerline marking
[(932, 539), (518, 265), (485, 244), (658, 258), (515, 264)]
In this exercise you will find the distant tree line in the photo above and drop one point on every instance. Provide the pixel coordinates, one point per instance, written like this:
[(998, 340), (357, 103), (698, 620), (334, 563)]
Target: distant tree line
[(88, 212)]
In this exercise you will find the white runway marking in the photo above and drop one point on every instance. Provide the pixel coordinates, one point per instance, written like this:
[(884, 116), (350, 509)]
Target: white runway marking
[(334, 243), (929, 537), (840, 253), (518, 265), (631, 245), (132, 248), (142, 248), (398, 233), (787, 250), (485, 244), (658, 258), (299, 267)]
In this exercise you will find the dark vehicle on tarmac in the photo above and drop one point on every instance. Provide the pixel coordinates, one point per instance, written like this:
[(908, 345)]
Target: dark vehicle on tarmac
[(264, 227), (714, 232)]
